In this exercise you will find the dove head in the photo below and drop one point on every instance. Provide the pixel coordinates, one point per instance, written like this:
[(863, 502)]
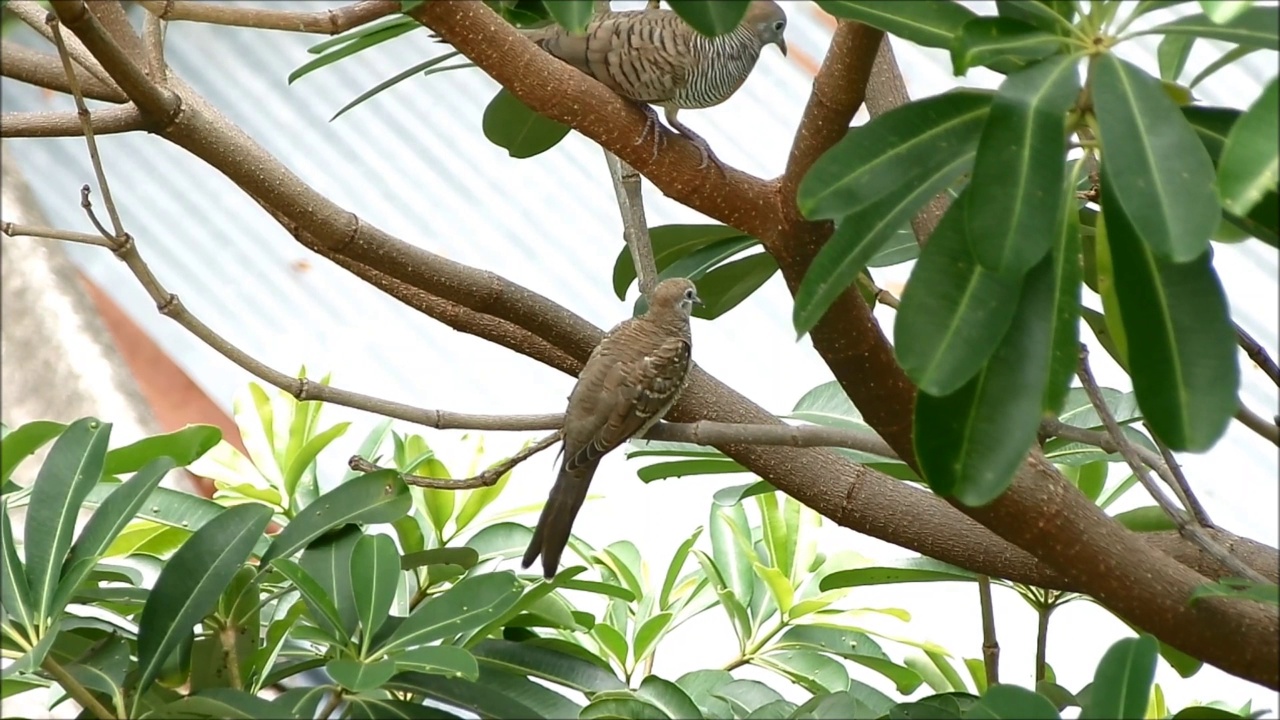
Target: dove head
[(675, 298), (769, 22)]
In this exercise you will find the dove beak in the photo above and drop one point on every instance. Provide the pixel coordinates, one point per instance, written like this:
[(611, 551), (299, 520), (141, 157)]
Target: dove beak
[(697, 300), (782, 45)]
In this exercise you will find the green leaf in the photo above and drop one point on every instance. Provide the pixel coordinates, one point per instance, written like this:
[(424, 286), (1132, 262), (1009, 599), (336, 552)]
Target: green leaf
[(16, 595), (190, 583), (932, 23), (1172, 55), (724, 287), (377, 497), (438, 660), (328, 560), (1212, 125), (1064, 355), (893, 153), (648, 634), (495, 695), (463, 557), (468, 605), (353, 42), (1004, 44), (184, 446), (526, 658), (1255, 27), (1160, 175), (220, 703), (699, 263), (670, 243), (378, 707), (731, 547), (809, 669), (711, 18), (121, 506), (1011, 701), (360, 675), (572, 15), (323, 611), (306, 455), (677, 563), (71, 470), (426, 67), (23, 442), (1122, 683), (1250, 162), (1238, 588), (1227, 58), (375, 573), (1146, 519), (685, 468), (1018, 174), (1182, 345), (907, 570), (851, 645), (625, 705), (523, 133), (745, 696), (953, 312)]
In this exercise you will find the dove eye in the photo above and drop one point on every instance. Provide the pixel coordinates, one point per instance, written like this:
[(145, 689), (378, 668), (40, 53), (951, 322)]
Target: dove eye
[(780, 25), (688, 294)]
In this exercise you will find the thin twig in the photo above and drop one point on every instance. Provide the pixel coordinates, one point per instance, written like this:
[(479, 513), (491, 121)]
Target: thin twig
[(635, 229), (1179, 482), (1257, 354), (488, 478), (31, 13), (322, 22), (83, 112), (153, 32), (1043, 611), (106, 121), (75, 689), (1126, 449), (990, 646), (1267, 429)]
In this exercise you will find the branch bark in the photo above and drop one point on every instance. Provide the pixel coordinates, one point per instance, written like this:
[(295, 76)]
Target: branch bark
[(1089, 553)]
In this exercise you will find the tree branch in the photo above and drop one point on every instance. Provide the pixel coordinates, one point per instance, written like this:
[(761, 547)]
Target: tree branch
[(43, 70), (1258, 354), (635, 229), (33, 14), (322, 22), (1267, 429)]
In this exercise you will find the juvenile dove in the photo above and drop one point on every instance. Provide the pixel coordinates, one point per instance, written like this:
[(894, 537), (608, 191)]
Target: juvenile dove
[(630, 381), (653, 57)]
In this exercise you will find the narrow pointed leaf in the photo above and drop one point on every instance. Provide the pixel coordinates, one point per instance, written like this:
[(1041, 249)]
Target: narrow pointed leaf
[(24, 441), (1257, 27), (468, 605), (1182, 345), (1067, 272), (1160, 173), (670, 243), (184, 446), (1250, 163), (375, 572), (190, 583), (971, 442), (526, 658), (1001, 43), (1016, 191), (121, 506), (321, 607), (16, 595), (953, 312), (71, 470), (931, 23), (378, 497)]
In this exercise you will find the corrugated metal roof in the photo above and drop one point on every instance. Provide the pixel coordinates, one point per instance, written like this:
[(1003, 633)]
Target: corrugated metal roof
[(414, 162)]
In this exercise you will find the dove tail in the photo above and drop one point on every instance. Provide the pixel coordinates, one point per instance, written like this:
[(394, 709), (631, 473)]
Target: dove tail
[(552, 533)]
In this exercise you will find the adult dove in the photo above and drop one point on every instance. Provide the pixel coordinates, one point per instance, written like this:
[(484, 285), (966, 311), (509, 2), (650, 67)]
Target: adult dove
[(653, 57), (630, 381)]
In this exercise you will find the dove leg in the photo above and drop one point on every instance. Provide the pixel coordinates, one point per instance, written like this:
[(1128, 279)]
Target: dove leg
[(703, 146), (651, 125)]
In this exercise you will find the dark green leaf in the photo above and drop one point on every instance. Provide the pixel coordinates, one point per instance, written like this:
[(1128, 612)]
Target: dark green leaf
[(71, 470), (358, 39), (1182, 345), (723, 287), (1004, 44), (117, 510), (427, 67), (546, 663), (323, 611), (699, 686), (523, 133), (1011, 701), (1122, 683), (837, 706), (445, 660), (220, 703), (1159, 174), (23, 441), (622, 704), (1053, 16), (931, 23), (744, 696), (375, 573), (684, 468), (190, 583), (1146, 519), (921, 569), (809, 669), (1250, 162), (496, 694), (735, 494), (359, 675), (670, 243), (468, 605), (16, 595), (711, 18), (572, 15), (1205, 712), (669, 697), (1255, 27), (463, 557), (1018, 174), (1065, 347), (1238, 589), (328, 561), (378, 497), (1172, 55), (953, 312), (184, 446), (901, 247), (1212, 126), (370, 707), (851, 645), (893, 153)]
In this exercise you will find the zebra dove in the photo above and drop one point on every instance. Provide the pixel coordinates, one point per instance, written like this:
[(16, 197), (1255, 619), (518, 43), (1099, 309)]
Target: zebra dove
[(630, 381), (653, 57)]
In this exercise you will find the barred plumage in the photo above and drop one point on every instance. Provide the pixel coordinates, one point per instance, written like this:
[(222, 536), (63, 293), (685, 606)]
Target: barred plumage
[(652, 56)]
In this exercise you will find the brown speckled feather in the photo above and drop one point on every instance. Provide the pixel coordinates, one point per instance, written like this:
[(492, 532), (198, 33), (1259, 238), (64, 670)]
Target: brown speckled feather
[(630, 381)]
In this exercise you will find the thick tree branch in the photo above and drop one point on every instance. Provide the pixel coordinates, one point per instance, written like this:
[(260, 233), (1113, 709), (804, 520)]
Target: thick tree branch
[(1038, 513), (33, 14), (323, 22), (44, 70)]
